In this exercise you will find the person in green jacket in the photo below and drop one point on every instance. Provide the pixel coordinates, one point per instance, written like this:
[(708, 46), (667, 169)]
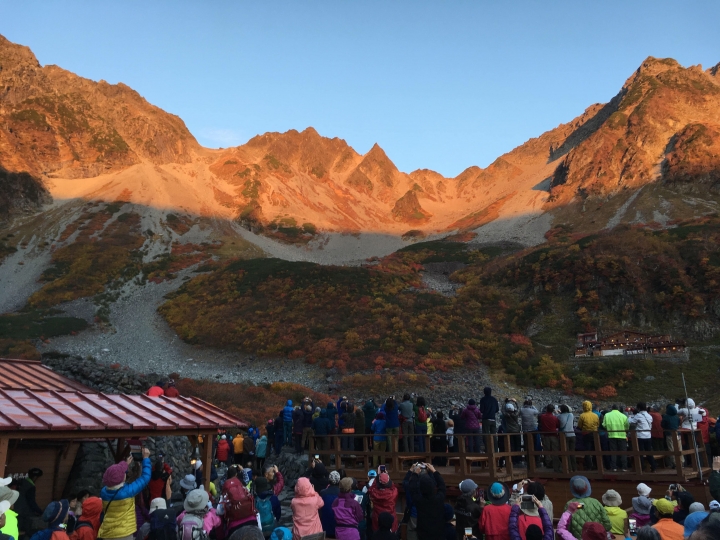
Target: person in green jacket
[(616, 424), (591, 510), (11, 518)]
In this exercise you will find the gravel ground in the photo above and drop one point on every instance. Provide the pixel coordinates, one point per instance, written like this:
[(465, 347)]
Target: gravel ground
[(140, 338), (19, 274)]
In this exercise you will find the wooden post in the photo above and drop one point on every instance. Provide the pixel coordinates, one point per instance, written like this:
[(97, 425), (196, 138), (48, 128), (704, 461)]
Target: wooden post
[(565, 462), (207, 459), (4, 443), (463, 457), (530, 453), (598, 454), (509, 459), (119, 449), (366, 457), (338, 460), (636, 453), (490, 450), (679, 457), (395, 442)]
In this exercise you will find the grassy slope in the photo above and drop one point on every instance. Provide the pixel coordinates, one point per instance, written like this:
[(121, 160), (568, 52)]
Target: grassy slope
[(380, 316)]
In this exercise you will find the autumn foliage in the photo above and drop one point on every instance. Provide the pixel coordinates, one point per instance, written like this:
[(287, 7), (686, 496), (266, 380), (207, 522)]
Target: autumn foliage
[(381, 316)]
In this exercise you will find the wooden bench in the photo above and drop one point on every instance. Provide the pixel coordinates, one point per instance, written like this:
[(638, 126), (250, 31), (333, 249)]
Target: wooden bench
[(455, 461)]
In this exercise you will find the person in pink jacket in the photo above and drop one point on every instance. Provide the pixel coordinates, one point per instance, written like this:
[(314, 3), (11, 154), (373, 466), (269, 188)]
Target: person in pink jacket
[(562, 529), (305, 506)]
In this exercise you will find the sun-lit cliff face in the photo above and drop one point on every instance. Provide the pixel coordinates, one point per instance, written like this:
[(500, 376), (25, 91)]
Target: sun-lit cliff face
[(91, 140)]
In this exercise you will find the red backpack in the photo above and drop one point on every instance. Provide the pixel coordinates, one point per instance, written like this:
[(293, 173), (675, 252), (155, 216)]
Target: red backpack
[(422, 415), (239, 503)]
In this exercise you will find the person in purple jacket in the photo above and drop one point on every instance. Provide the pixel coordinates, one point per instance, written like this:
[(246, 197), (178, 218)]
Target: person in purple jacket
[(532, 532), (471, 416), (348, 512)]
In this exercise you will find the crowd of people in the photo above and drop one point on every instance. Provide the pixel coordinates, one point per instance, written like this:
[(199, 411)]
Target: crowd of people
[(243, 504), (415, 425), (236, 496)]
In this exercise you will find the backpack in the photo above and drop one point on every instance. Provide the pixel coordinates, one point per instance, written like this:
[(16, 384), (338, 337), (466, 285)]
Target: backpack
[(281, 533), (162, 525), (422, 415), (267, 519), (191, 528), (239, 503)]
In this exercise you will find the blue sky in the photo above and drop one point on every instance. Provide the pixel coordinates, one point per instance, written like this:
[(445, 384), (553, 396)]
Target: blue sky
[(440, 85)]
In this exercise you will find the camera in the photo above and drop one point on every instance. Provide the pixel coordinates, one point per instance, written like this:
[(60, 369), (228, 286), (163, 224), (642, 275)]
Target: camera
[(527, 503), (383, 468)]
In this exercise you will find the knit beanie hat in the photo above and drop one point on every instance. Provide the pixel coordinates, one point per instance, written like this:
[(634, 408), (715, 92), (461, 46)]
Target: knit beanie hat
[(55, 513), (115, 474), (346, 485), (334, 478), (592, 530)]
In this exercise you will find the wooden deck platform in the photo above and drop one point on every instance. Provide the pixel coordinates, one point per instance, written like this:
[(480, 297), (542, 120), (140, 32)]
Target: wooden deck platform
[(511, 467)]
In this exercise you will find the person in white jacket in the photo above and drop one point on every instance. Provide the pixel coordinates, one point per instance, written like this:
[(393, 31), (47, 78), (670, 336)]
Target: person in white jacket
[(642, 422)]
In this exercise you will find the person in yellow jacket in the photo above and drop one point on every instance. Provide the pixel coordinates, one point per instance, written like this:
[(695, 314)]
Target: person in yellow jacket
[(588, 423), (119, 498), (11, 518), (238, 448), (616, 424)]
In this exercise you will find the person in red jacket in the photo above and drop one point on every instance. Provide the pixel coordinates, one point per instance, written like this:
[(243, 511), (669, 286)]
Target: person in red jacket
[(157, 390), (704, 428), (383, 496), (88, 522), (657, 434), (171, 390), (549, 425), (495, 517), (222, 452)]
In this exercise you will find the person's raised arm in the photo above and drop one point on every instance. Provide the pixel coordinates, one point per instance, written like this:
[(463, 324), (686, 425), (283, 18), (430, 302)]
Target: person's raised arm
[(138, 485), (279, 482), (513, 523)]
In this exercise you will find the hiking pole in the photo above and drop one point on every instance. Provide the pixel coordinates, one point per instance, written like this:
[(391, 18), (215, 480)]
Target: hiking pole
[(692, 429)]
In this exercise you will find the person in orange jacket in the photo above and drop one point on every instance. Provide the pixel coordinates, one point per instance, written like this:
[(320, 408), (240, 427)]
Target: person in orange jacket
[(88, 522)]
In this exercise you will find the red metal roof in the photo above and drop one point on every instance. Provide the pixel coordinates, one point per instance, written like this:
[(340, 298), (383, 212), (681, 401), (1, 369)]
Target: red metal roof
[(80, 411), (33, 375)]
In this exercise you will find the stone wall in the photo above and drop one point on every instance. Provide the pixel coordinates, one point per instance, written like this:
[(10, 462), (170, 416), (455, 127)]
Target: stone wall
[(94, 457)]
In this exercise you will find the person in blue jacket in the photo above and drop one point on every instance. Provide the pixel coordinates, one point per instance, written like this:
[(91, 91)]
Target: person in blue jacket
[(119, 498), (392, 421), (287, 413)]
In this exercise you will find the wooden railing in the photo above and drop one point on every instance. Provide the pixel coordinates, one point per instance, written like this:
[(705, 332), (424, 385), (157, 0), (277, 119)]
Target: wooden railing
[(499, 464)]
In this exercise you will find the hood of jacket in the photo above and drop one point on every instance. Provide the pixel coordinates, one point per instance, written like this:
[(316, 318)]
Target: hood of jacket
[(91, 510), (690, 403), (323, 413), (319, 471), (303, 488), (289, 403), (487, 391), (670, 410), (586, 406), (263, 438)]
